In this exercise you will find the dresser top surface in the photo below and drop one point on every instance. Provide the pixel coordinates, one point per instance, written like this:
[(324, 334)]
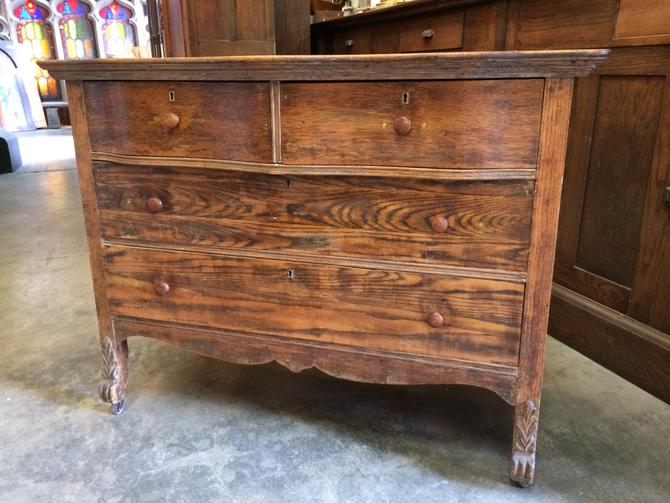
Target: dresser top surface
[(425, 66)]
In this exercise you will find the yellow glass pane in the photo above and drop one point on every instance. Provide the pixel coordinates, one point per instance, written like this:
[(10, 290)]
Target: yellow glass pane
[(30, 31), (42, 86), (53, 87), (70, 48), (37, 49)]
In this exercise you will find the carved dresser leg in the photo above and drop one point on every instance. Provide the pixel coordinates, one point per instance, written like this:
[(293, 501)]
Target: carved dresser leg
[(525, 440), (114, 372)]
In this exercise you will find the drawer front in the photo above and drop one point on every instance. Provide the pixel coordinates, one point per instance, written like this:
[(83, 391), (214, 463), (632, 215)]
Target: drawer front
[(474, 223), (222, 120), (432, 33), (421, 314), (356, 41), (450, 124)]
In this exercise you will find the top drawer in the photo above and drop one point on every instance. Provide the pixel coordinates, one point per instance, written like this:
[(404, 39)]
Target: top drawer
[(221, 120), (469, 124)]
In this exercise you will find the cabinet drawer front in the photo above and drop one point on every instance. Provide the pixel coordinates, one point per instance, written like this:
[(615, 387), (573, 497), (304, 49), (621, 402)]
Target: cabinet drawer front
[(375, 309), (432, 33), (451, 124), (356, 41), (474, 223), (220, 120)]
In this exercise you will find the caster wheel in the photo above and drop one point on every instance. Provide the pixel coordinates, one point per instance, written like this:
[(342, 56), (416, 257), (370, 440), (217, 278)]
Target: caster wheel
[(117, 408)]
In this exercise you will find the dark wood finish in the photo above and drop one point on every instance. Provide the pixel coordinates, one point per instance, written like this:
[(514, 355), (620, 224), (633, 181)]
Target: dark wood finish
[(217, 120), (437, 33), (371, 123), (379, 67), (236, 27), (307, 258), (383, 218), (617, 341)]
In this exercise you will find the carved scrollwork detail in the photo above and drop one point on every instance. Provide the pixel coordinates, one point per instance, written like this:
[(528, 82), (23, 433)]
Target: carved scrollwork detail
[(111, 388), (525, 442)]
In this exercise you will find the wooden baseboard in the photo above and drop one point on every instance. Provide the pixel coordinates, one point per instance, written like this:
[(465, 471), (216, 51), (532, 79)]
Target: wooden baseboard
[(627, 347)]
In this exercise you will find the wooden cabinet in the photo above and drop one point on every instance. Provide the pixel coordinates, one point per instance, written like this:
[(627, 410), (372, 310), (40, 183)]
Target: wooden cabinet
[(235, 27), (422, 256), (612, 274)]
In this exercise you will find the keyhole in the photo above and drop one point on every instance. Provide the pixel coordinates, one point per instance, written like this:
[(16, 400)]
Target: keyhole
[(291, 274), (171, 97), (405, 98), (288, 183)]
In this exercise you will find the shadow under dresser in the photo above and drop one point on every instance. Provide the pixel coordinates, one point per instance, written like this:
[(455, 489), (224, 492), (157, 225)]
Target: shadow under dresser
[(386, 219)]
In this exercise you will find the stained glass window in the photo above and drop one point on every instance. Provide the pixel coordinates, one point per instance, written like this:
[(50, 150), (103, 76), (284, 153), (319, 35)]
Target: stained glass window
[(118, 33), (76, 30), (36, 35)]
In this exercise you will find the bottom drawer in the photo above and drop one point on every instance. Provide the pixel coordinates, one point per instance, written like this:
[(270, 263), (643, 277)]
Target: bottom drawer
[(422, 314)]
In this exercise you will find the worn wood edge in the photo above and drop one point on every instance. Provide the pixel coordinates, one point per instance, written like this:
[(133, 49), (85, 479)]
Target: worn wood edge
[(358, 263), (556, 109), (418, 66), (609, 315), (345, 362), (275, 107), (509, 173)]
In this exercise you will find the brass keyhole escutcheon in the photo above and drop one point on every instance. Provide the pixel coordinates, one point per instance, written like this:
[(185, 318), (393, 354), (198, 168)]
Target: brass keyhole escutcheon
[(172, 97)]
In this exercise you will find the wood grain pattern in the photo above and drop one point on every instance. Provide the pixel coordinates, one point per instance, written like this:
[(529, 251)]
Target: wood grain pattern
[(355, 364), (216, 120), (490, 124), (621, 153), (320, 169), (112, 350), (356, 307), (488, 222), (428, 66)]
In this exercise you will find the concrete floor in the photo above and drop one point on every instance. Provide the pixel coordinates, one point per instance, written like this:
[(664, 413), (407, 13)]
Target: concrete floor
[(196, 429)]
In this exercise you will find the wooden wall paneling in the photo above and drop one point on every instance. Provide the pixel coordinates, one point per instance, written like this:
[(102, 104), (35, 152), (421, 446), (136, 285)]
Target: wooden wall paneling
[(645, 20), (650, 301), (621, 153), (291, 26), (175, 37), (568, 24), (229, 27)]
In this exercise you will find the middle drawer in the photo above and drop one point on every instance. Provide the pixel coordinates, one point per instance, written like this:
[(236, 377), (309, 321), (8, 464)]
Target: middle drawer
[(466, 223)]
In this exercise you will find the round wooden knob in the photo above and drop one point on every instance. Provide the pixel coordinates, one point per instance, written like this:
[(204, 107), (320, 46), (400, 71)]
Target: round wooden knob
[(169, 120), (427, 34), (155, 205), (348, 43), (439, 224), (402, 126), (162, 287), (435, 320)]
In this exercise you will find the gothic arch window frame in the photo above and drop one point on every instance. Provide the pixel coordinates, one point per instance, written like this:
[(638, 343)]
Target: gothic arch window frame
[(132, 21), (90, 16), (50, 22)]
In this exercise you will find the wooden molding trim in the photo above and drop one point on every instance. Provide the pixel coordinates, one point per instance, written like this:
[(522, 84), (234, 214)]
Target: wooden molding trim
[(510, 173), (627, 347), (609, 315), (426, 66), (298, 355), (308, 258)]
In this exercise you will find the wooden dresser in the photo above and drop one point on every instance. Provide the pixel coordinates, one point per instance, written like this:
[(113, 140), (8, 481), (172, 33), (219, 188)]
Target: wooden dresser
[(387, 219), (612, 270)]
